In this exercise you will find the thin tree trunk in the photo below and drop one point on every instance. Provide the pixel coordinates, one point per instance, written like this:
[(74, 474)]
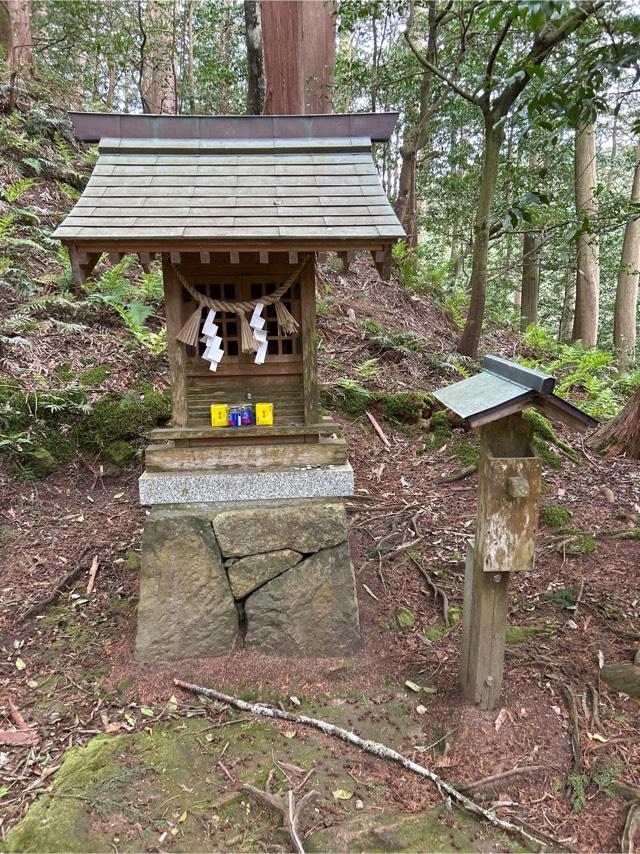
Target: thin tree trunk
[(257, 82), (568, 306), (191, 96), (530, 280), (624, 324), (19, 41), (157, 80), (493, 138), (585, 321)]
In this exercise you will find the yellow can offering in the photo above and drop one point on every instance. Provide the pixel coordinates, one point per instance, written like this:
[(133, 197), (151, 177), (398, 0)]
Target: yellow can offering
[(264, 414), (219, 415)]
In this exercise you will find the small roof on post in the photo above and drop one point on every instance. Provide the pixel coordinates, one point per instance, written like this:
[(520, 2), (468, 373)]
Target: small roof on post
[(166, 183), (504, 388)]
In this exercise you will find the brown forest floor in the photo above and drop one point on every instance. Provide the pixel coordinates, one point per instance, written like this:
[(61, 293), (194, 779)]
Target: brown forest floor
[(81, 651)]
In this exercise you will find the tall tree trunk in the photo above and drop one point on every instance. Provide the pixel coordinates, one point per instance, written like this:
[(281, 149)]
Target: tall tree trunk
[(16, 32), (257, 82), (191, 94), (530, 286), (158, 81), (414, 141), (585, 321), (568, 306), (624, 323), (299, 41), (493, 138)]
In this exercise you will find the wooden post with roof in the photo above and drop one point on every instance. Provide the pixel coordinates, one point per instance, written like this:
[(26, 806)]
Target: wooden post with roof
[(237, 208), (509, 476)]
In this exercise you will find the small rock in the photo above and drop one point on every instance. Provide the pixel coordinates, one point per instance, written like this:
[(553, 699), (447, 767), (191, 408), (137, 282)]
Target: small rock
[(119, 453), (421, 710), (359, 804), (42, 462), (623, 678)]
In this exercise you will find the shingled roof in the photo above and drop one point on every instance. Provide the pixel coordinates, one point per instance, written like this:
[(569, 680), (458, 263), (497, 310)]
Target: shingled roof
[(224, 190)]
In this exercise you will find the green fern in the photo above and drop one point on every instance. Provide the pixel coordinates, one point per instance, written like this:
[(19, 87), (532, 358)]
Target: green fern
[(368, 369), (12, 192)]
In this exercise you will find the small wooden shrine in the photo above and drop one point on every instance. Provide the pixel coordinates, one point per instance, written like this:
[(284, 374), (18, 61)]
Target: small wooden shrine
[(238, 209)]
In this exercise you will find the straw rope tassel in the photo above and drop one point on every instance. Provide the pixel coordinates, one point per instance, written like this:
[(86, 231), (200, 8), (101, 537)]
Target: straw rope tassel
[(248, 343), (286, 321), (190, 332)]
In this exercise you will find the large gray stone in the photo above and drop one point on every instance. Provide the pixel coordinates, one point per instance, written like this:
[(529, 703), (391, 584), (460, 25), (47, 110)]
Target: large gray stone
[(249, 573), (311, 610), (306, 527), (186, 607)]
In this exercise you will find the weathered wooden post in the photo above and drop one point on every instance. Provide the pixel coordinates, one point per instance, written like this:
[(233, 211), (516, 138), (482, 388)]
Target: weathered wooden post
[(507, 516)]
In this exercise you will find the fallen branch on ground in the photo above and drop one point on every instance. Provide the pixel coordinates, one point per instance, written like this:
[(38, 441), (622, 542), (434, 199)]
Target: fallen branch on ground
[(378, 429), (373, 747), (503, 775), (631, 829), (92, 576), (284, 803), (69, 579), (570, 700), (457, 475), (437, 591)]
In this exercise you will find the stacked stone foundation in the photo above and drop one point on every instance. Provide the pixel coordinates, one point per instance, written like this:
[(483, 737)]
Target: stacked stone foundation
[(272, 575)]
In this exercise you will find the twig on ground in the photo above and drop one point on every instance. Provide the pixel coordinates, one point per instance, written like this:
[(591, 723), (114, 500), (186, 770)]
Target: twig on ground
[(578, 600), (495, 778), (456, 475), (285, 804), (373, 747), (69, 579), (570, 700), (92, 576), (437, 591), (381, 434), (15, 714)]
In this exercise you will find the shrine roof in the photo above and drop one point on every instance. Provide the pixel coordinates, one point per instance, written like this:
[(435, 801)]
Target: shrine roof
[(323, 190)]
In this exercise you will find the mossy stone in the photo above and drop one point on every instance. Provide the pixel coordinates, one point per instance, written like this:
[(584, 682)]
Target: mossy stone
[(119, 453), (624, 678), (435, 633), (585, 544), (42, 462)]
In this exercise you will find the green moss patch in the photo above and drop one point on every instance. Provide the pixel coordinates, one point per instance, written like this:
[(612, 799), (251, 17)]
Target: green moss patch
[(584, 544), (555, 516), (405, 618), (439, 431), (43, 429), (523, 634), (352, 399), (545, 435)]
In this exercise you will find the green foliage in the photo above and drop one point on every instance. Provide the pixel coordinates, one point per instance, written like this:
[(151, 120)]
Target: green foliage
[(63, 422), (369, 369), (555, 516), (467, 453), (543, 430), (352, 399), (398, 340), (456, 303), (13, 192), (324, 306), (415, 270), (93, 377), (439, 431), (577, 784), (583, 544), (562, 597)]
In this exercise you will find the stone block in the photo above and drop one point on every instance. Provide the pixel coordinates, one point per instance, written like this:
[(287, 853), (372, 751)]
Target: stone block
[(306, 527), (249, 573), (186, 606), (310, 610), (293, 483)]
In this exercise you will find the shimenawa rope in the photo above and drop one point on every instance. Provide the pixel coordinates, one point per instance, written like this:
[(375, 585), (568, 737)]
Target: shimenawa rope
[(190, 331)]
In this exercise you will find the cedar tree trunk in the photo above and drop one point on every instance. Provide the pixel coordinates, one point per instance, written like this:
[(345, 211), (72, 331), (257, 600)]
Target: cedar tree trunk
[(624, 324), (585, 320), (622, 434)]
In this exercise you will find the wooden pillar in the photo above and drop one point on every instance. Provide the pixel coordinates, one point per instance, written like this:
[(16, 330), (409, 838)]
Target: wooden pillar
[(173, 305), (309, 341), (507, 517)]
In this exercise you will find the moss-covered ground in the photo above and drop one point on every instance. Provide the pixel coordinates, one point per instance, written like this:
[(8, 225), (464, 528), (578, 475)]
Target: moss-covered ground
[(167, 787)]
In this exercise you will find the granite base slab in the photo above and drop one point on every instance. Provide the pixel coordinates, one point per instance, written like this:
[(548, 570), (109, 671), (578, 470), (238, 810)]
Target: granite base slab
[(186, 488)]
